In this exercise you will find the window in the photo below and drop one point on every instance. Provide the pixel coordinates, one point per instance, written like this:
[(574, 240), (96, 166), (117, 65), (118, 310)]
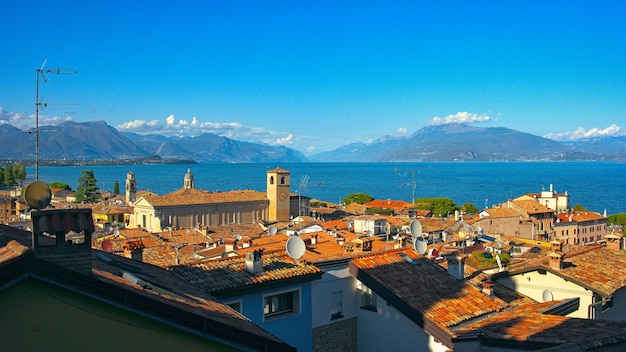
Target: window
[(282, 180), (368, 299), (336, 305), (280, 305), (271, 180), (235, 305)]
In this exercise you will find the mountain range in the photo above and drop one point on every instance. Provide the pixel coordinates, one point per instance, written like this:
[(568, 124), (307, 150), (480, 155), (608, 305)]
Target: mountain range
[(97, 140)]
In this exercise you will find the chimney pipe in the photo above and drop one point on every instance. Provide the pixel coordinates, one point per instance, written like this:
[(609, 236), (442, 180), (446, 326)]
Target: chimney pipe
[(456, 265)]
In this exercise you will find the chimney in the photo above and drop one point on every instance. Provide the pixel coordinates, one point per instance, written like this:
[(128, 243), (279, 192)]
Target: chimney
[(314, 239), (555, 260), (134, 250), (556, 246), (456, 265), (70, 230), (254, 262), (488, 288)]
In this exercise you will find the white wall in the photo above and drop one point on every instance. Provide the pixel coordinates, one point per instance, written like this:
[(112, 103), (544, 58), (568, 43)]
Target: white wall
[(533, 284), (334, 279), (387, 329)]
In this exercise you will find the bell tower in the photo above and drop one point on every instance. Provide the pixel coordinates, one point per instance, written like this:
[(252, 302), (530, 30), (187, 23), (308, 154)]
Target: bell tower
[(131, 188), (279, 194), (188, 183)]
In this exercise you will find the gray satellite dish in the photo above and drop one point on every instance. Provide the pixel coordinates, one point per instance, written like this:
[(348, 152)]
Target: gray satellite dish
[(272, 230), (295, 247), (420, 245), (416, 228), (37, 195)]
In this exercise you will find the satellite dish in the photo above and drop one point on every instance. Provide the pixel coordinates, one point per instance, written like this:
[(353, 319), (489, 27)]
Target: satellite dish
[(238, 237), (416, 228), (547, 295), (499, 263), (420, 245), (295, 247), (107, 245), (272, 230), (37, 195)]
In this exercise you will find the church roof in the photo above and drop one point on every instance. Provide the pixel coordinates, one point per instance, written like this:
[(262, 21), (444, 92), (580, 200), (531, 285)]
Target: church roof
[(192, 196)]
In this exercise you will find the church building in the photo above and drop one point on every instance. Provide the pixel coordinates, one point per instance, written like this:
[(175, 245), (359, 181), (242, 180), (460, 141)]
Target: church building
[(189, 207)]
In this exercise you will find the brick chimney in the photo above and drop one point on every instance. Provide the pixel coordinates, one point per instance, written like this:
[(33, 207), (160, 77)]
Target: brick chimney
[(556, 246), (555, 260), (456, 265), (63, 237), (254, 262), (488, 288), (134, 250)]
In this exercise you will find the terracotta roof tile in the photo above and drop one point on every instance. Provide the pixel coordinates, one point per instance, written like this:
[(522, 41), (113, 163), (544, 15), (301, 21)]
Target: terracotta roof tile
[(219, 275), (195, 196), (427, 288)]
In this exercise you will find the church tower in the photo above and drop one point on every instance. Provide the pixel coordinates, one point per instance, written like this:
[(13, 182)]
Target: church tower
[(188, 183), (279, 194), (131, 188)]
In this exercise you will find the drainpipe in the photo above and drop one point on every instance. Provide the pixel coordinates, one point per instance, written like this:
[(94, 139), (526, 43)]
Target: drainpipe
[(604, 300)]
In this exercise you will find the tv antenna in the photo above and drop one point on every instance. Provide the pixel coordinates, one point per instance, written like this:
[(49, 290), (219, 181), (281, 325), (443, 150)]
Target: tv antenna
[(43, 72), (411, 184), (303, 186)]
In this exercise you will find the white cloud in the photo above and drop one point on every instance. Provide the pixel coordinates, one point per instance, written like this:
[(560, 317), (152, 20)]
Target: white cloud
[(460, 117), (285, 140), (581, 133), (173, 126), (23, 121)]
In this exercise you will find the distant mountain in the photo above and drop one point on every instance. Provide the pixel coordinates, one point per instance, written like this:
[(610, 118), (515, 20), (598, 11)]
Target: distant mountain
[(97, 140), (461, 142), (210, 147)]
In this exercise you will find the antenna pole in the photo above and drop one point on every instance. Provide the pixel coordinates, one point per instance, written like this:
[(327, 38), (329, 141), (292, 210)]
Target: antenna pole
[(42, 72)]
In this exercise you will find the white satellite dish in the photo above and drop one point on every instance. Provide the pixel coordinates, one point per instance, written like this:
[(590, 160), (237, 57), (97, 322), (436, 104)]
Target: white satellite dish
[(499, 263), (416, 228), (295, 247), (238, 237), (272, 230), (420, 245), (547, 296)]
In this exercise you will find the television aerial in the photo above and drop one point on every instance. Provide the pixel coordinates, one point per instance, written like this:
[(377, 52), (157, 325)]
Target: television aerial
[(303, 186), (43, 72), (295, 247)]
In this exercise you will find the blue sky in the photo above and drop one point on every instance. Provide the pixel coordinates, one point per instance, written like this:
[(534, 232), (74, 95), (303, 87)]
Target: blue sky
[(317, 75)]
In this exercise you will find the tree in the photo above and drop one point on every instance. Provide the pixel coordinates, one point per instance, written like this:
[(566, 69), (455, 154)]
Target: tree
[(359, 198), (116, 188), (86, 192), (579, 207), (439, 207), (470, 208), (60, 185), (12, 174)]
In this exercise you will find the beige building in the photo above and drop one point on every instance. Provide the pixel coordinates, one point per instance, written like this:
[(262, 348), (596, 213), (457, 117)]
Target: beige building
[(190, 207)]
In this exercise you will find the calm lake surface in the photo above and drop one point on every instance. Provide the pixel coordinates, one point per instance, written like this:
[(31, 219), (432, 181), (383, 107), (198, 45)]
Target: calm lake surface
[(596, 186)]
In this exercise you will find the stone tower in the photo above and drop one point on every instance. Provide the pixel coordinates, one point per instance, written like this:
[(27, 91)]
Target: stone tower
[(279, 194), (131, 188), (189, 183)]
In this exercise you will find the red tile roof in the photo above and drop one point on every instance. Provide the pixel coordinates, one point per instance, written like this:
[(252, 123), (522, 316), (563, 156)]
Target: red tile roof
[(192, 196), (226, 274)]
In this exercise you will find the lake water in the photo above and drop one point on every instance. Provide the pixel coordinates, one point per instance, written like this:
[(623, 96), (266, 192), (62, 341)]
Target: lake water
[(596, 186)]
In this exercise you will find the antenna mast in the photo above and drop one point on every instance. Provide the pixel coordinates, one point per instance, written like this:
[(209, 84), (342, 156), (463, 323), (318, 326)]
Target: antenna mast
[(302, 185), (41, 71)]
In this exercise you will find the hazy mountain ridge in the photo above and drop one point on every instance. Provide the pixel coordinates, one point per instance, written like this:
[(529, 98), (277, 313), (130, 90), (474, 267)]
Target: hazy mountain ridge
[(461, 142), (97, 140)]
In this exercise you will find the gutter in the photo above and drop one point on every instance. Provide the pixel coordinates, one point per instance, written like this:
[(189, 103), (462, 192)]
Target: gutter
[(589, 310)]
